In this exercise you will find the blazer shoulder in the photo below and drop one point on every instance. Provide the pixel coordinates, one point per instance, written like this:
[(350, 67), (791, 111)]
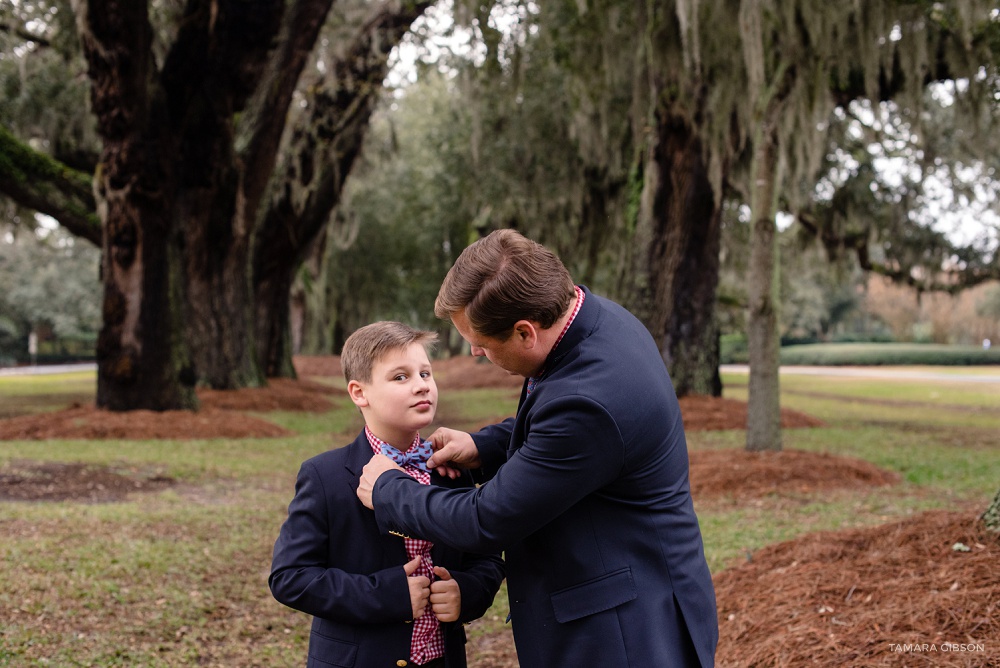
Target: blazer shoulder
[(334, 458)]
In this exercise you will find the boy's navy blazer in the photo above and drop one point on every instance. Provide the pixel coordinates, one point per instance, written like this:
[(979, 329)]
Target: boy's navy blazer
[(587, 492), (331, 561)]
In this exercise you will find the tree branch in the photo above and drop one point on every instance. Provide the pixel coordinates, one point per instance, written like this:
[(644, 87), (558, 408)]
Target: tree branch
[(38, 182), (267, 112), (327, 138), (24, 34)]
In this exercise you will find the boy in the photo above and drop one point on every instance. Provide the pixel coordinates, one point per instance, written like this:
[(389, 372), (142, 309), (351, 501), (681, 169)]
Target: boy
[(377, 599)]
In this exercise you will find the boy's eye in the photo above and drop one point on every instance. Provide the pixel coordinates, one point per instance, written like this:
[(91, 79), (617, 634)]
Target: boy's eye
[(425, 374), (400, 376)]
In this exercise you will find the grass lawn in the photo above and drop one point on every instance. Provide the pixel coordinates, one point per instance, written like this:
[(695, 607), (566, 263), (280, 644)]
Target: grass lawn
[(178, 577)]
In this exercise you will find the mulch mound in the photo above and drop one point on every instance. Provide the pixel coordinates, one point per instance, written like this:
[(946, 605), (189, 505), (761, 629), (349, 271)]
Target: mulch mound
[(318, 365), (222, 415), (702, 413), (92, 423), (739, 474), (281, 394), (22, 480), (919, 592)]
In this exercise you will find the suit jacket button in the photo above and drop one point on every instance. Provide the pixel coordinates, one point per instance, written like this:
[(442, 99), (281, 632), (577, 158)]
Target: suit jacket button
[(401, 663)]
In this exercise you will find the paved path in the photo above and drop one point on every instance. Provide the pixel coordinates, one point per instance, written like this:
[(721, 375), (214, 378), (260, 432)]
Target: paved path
[(47, 368), (875, 372)]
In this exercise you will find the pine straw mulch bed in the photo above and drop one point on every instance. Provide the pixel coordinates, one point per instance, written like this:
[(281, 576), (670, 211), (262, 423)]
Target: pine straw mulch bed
[(222, 415), (920, 592), (740, 475)]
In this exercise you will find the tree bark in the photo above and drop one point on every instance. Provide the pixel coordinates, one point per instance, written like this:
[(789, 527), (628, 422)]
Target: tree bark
[(323, 147), (141, 353), (217, 62), (676, 256), (763, 406)]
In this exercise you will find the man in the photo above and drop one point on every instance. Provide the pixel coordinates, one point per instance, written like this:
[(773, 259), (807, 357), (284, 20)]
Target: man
[(586, 488)]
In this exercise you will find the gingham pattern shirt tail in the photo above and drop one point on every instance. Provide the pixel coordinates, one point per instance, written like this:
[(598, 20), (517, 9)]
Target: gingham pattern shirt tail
[(427, 641)]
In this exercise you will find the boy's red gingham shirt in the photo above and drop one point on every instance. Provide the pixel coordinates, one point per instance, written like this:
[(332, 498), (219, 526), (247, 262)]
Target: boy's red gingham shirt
[(427, 641)]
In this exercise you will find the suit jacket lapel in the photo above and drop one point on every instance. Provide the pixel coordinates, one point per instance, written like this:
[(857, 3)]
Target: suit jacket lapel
[(359, 453)]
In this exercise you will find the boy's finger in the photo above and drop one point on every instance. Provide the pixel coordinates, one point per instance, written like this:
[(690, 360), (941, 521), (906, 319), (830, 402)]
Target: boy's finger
[(410, 567)]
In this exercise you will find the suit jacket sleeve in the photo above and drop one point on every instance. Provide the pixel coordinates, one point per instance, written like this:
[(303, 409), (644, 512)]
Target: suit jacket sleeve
[(492, 442), (301, 579), (573, 448), (479, 578)]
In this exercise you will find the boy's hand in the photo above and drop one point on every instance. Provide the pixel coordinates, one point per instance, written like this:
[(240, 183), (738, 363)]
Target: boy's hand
[(419, 587), (446, 597), (378, 465), (452, 447)]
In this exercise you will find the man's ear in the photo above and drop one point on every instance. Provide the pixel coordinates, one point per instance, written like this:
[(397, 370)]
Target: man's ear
[(526, 333), (357, 392)]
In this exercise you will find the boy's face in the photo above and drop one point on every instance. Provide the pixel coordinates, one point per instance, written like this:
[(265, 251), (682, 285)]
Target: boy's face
[(401, 397)]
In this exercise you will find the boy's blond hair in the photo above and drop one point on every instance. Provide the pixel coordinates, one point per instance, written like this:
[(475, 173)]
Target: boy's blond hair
[(367, 345)]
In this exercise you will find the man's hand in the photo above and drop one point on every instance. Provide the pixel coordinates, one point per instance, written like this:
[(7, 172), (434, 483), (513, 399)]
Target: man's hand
[(446, 597), (453, 450), (378, 465), (419, 587)]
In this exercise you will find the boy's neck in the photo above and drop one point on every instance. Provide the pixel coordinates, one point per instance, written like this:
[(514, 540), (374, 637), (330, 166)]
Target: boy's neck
[(401, 440)]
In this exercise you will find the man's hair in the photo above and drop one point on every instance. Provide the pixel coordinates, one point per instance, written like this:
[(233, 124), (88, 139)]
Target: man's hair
[(369, 344), (502, 278)]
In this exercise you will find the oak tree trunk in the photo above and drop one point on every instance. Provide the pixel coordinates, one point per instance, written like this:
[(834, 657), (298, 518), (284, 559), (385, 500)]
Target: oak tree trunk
[(142, 355), (321, 151), (678, 231)]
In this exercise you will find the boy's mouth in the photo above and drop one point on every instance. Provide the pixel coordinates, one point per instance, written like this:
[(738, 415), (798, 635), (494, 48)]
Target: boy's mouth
[(422, 404)]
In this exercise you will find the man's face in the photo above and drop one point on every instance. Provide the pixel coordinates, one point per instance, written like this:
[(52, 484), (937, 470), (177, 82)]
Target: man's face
[(512, 354)]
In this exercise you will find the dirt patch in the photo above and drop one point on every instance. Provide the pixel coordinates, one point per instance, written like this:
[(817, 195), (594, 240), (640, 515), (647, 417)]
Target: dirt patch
[(741, 474), (22, 480), (859, 597)]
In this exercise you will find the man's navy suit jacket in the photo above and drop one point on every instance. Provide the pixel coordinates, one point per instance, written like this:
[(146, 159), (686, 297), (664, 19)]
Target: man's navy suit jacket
[(331, 561), (587, 492)]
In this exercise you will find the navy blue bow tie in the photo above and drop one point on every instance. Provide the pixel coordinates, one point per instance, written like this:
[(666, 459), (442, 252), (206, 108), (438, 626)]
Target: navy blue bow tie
[(416, 456)]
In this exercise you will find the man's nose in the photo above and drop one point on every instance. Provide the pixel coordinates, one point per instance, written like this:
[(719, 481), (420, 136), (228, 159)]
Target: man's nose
[(478, 352)]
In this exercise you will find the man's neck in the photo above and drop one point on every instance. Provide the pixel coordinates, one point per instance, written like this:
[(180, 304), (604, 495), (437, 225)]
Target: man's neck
[(550, 335)]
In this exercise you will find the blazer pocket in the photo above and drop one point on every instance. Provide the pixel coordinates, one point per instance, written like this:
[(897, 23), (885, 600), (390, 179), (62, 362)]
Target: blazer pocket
[(597, 595), (327, 651)]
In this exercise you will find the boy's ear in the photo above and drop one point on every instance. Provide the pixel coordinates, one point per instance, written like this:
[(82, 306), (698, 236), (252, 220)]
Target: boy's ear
[(357, 392)]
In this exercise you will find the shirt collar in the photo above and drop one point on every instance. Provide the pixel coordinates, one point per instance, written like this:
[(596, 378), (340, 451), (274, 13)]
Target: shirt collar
[(377, 442)]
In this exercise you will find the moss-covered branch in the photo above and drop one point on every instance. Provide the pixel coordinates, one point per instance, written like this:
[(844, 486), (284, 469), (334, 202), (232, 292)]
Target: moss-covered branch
[(36, 181)]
